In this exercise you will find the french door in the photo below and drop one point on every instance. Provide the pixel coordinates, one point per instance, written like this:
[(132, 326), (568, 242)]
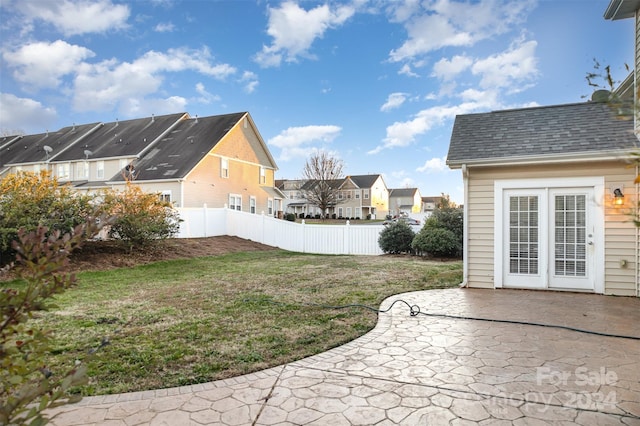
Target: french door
[(548, 238)]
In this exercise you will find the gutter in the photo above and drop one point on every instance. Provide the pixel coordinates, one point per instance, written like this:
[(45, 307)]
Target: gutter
[(546, 159), (465, 228)]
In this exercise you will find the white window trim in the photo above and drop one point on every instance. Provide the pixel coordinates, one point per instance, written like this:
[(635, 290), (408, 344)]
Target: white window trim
[(263, 175), (233, 206), (100, 169), (252, 205), (224, 171), (499, 186), (164, 193)]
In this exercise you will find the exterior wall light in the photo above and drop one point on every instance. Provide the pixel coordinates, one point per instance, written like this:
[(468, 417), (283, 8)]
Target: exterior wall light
[(618, 197)]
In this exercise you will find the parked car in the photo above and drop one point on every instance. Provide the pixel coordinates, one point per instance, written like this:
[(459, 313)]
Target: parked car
[(408, 220)]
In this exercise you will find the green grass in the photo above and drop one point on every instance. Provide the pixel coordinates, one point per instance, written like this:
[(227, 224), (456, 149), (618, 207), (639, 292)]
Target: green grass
[(182, 322)]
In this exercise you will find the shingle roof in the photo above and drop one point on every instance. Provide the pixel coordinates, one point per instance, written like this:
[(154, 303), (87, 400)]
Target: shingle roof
[(31, 148), (179, 151), (120, 138), (541, 132), (364, 181), (402, 192)]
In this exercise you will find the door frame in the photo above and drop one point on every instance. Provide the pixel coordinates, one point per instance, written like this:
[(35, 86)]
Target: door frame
[(545, 184)]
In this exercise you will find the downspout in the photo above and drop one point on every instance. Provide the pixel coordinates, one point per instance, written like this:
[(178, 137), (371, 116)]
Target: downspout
[(465, 228)]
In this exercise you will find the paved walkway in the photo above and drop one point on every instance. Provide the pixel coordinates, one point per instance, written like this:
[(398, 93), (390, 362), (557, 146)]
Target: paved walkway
[(428, 370)]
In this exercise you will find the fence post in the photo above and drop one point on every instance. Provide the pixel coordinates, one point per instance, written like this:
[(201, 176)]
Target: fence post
[(206, 219)]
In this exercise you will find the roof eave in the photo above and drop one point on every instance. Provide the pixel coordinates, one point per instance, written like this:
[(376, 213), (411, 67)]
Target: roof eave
[(544, 159), (621, 9)]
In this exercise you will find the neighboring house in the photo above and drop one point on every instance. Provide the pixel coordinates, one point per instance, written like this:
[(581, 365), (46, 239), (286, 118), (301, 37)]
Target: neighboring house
[(540, 207), (360, 196), (404, 201), (190, 161), (429, 204)]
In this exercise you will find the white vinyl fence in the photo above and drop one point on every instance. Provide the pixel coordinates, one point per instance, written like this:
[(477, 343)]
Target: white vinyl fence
[(305, 238)]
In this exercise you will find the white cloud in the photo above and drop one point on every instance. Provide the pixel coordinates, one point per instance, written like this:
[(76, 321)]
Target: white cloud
[(25, 114), (101, 86), (43, 64), (250, 81), (296, 141), (135, 107), (395, 100), (447, 69), (404, 133), (294, 30), (434, 165), (447, 23), (406, 70), (516, 65), (164, 27), (205, 96), (77, 17)]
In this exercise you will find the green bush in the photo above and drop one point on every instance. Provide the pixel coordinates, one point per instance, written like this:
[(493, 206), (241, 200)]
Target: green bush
[(439, 242), (29, 200), (396, 238), (290, 217)]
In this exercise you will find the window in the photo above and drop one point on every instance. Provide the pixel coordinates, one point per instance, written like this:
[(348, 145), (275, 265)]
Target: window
[(165, 196), (365, 194), (63, 171), (235, 202), (357, 195), (349, 194), (100, 170), (82, 170), (224, 167), (252, 205), (340, 212), (340, 195), (270, 207), (263, 175)]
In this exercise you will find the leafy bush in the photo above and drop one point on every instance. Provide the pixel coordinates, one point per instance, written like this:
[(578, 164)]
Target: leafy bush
[(442, 234), (29, 200), (290, 217), (396, 238), (439, 242), (451, 218), (140, 218), (28, 386)]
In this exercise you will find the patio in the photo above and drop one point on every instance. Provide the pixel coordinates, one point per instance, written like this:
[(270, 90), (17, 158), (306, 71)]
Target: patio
[(501, 367)]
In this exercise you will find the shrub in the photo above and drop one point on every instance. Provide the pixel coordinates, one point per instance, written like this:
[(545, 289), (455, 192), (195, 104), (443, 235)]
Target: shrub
[(369, 216), (333, 216), (439, 242), (140, 218), (28, 387), (396, 238), (29, 200), (290, 217)]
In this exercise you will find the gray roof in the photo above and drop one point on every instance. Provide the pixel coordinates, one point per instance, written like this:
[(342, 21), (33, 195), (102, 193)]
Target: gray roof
[(120, 138), (621, 9), (402, 192), (181, 149), (31, 148), (550, 132), (363, 181)]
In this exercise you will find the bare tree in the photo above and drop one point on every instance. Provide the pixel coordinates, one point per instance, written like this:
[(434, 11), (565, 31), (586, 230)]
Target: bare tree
[(323, 175)]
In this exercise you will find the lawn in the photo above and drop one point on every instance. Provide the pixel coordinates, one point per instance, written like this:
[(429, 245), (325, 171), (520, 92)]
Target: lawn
[(188, 321)]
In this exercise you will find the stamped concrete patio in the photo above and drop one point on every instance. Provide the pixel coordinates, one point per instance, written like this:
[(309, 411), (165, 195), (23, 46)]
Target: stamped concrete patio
[(429, 370)]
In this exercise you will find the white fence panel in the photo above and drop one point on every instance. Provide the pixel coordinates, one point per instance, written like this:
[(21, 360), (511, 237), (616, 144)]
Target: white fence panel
[(320, 239)]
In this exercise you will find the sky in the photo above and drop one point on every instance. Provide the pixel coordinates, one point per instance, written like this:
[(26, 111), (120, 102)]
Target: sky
[(376, 83)]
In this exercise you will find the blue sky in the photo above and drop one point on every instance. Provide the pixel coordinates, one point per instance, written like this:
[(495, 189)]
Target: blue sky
[(377, 83)]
